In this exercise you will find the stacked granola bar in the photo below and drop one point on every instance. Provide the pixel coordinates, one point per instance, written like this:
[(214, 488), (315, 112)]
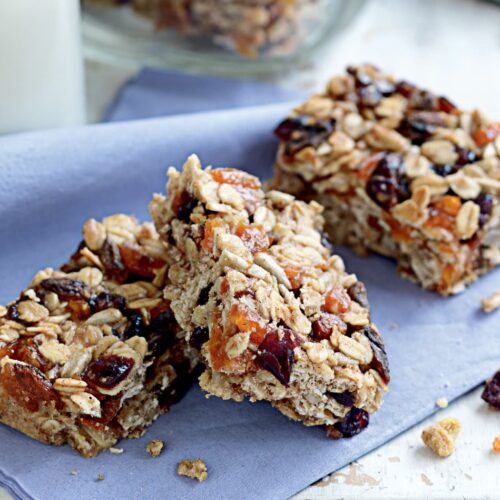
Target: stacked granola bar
[(400, 171), (272, 310), (92, 353)]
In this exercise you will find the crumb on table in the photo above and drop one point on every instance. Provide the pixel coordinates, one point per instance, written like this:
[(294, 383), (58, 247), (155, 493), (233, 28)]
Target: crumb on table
[(496, 444), (442, 403), (492, 302), (100, 477), (155, 446), (440, 437), (116, 451), (195, 469)]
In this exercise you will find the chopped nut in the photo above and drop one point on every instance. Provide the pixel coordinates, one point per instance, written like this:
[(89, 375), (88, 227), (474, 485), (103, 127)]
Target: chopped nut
[(442, 403), (440, 437), (195, 469), (154, 448), (491, 303)]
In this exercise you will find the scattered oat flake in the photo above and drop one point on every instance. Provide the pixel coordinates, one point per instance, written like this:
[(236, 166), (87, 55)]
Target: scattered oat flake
[(489, 304), (100, 477), (442, 403), (74, 472), (154, 447), (195, 469), (440, 437), (496, 445), (116, 451)]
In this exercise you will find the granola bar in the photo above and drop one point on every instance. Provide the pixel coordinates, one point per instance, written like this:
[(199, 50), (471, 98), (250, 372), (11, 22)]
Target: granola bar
[(400, 171), (247, 27), (273, 311), (92, 353)]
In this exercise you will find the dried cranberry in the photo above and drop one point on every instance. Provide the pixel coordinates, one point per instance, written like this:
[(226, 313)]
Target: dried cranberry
[(444, 170), (161, 332), (275, 354), (185, 206), (67, 289), (345, 398), (12, 312), (405, 88), (353, 423), (491, 392), (380, 362), (485, 202), (300, 132), (415, 129), (465, 156), (204, 294), (108, 371), (28, 386), (136, 325), (445, 105), (387, 185), (358, 293), (111, 258), (106, 300), (369, 96), (322, 327), (198, 337)]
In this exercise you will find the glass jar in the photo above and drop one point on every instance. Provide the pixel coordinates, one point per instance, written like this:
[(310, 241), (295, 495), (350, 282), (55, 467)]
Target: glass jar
[(239, 37)]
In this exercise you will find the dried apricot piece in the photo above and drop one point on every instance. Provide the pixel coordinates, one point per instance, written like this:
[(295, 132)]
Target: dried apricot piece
[(235, 178), (248, 321), (485, 134), (253, 237), (337, 300), (139, 263), (207, 243)]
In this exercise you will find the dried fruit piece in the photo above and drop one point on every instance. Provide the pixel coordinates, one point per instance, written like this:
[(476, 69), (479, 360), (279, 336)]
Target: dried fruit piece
[(345, 398), (326, 324), (111, 259), (183, 205), (486, 134), (198, 337), (248, 321), (485, 202), (358, 293), (275, 354), (28, 386), (496, 445), (379, 362), (67, 289), (106, 300), (108, 371), (352, 424), (387, 185), (253, 237), (491, 392), (139, 263), (337, 300)]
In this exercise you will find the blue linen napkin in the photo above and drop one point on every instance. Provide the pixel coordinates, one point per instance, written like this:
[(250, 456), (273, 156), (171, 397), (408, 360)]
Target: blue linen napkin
[(153, 93), (51, 182)]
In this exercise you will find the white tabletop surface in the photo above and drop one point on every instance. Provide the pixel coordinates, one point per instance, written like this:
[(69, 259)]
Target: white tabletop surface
[(452, 47)]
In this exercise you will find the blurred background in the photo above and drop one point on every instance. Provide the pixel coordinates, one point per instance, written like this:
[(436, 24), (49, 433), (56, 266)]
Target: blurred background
[(74, 56)]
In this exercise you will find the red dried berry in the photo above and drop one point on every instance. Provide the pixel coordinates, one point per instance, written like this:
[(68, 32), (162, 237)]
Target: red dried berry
[(106, 300), (491, 392), (275, 354), (111, 258), (322, 327), (353, 423), (67, 289), (345, 398), (107, 372)]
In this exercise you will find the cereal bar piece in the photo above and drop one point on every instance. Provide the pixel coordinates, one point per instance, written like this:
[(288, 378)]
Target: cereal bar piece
[(256, 287), (400, 171), (92, 353)]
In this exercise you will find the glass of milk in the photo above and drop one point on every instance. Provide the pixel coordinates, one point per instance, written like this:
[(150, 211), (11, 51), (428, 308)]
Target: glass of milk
[(41, 69)]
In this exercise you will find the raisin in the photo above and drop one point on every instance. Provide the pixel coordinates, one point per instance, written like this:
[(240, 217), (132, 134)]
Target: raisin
[(204, 294), (353, 423), (465, 155), (358, 293), (108, 371), (138, 263), (380, 362), (136, 326), (275, 354), (485, 202), (405, 88), (106, 300), (322, 327), (28, 386), (491, 392), (111, 258), (444, 170), (369, 96), (161, 332), (183, 206), (300, 132), (198, 337), (387, 185), (418, 131), (345, 398), (67, 289), (12, 312)]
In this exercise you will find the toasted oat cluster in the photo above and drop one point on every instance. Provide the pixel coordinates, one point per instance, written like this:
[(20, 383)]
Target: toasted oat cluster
[(441, 437), (194, 469), (400, 171), (247, 27), (271, 308), (92, 353)]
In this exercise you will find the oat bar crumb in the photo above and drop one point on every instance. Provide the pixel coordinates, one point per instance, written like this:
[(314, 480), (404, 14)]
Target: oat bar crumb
[(440, 437), (442, 403), (116, 451), (496, 444), (155, 446), (492, 302), (100, 477), (195, 469)]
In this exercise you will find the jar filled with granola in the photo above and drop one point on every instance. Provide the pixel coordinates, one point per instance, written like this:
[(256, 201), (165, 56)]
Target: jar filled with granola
[(220, 36)]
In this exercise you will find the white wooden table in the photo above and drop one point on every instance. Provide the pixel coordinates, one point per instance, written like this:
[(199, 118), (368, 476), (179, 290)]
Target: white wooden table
[(452, 47)]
